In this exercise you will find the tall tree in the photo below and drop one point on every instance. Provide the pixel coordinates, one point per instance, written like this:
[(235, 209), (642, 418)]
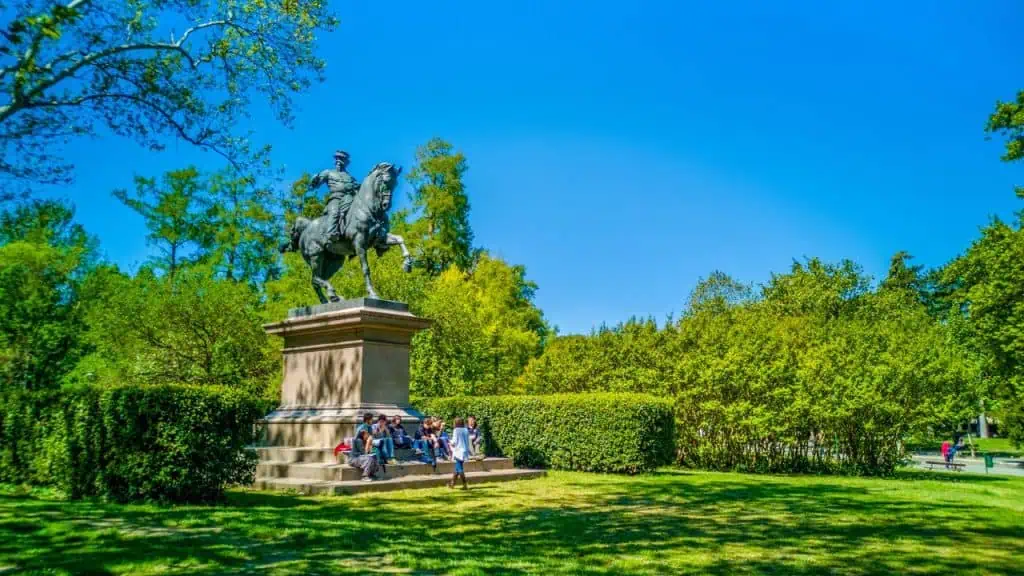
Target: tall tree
[(239, 231), (170, 209), (718, 292), (987, 288), (48, 222), (149, 70), (441, 233), (44, 259)]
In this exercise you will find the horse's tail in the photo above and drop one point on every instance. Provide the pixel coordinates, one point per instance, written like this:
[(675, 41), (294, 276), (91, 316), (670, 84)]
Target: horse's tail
[(295, 234)]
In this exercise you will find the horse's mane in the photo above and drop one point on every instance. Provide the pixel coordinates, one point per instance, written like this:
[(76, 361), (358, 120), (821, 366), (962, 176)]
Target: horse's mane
[(375, 173)]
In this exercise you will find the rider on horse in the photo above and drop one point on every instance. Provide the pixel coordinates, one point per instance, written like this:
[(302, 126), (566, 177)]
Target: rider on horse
[(343, 188)]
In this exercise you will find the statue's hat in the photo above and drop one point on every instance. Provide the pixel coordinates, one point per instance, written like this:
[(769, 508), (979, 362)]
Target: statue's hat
[(341, 155)]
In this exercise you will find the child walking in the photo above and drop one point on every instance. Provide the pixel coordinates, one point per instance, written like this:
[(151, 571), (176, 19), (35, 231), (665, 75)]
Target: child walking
[(460, 451)]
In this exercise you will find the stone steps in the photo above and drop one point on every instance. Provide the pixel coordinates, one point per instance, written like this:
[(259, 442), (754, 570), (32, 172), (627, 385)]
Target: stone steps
[(309, 486), (331, 472)]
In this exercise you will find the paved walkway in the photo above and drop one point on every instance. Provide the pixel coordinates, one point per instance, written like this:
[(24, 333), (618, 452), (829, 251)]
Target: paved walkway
[(974, 465)]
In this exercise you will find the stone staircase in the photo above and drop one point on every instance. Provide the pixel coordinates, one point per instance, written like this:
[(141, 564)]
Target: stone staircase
[(318, 471)]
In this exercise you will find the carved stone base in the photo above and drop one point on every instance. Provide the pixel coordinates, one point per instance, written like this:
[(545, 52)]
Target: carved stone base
[(342, 360)]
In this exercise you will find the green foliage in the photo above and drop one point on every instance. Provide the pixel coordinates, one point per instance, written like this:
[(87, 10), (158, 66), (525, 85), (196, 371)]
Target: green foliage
[(486, 329), (1008, 121), (177, 443), (170, 211), (984, 290), (44, 257), (198, 329), (589, 432), (222, 220), (73, 67), (633, 357), (441, 235), (239, 230), (164, 443), (818, 373)]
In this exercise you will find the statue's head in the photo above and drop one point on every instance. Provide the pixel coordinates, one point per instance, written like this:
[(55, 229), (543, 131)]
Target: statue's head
[(341, 159), (385, 177)]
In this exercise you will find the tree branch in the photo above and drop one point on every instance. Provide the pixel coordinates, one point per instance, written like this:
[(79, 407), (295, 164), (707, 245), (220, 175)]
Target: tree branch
[(178, 128), (22, 100)]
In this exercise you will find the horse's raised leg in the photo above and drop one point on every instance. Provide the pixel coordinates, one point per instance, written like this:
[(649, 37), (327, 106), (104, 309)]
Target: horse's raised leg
[(395, 239), (359, 243)]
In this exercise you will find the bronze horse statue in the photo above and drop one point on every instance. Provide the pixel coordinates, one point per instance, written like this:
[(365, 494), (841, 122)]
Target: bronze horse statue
[(365, 227)]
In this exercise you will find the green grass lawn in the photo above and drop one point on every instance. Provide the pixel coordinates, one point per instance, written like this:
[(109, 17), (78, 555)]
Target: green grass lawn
[(568, 523)]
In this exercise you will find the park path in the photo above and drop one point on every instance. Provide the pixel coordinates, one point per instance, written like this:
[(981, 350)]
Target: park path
[(973, 465)]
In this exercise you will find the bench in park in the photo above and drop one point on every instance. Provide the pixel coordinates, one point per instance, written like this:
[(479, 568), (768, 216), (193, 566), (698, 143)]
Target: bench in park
[(954, 465)]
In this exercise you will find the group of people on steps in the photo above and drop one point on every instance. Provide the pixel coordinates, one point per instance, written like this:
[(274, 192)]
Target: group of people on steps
[(375, 442)]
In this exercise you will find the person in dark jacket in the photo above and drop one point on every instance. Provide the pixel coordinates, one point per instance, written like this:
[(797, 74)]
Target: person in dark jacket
[(423, 442), (398, 434)]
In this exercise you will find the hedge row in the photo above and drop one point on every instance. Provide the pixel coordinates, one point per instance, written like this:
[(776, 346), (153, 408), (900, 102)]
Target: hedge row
[(157, 443), (588, 432)]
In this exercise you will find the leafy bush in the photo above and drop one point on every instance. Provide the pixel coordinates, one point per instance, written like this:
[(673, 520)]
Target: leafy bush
[(196, 329), (128, 443), (817, 373), (590, 432)]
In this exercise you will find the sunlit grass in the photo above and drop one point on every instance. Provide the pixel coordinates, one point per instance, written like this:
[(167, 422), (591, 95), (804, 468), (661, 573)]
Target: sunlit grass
[(666, 523)]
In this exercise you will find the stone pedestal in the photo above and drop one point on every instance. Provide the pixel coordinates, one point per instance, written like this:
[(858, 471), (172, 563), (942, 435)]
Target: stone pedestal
[(341, 360)]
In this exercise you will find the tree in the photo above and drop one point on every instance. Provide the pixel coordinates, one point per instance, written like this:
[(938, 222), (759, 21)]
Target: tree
[(72, 66), (238, 229), (441, 234), (903, 276), (170, 210), (718, 292), (818, 372), (44, 259), (986, 289), (485, 330), (1008, 121), (200, 329)]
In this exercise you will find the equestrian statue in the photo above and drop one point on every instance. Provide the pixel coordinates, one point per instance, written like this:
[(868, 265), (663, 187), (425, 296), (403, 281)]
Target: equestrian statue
[(355, 220)]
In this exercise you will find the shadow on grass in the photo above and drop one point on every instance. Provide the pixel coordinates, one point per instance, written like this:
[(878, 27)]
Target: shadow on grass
[(667, 522)]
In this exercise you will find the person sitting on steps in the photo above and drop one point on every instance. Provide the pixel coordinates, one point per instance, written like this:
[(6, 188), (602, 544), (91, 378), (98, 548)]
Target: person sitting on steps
[(475, 438), (366, 425), (382, 440), (398, 434), (423, 442), (361, 456), (442, 446)]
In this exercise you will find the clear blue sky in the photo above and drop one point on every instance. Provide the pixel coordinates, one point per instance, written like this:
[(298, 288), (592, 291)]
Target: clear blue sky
[(623, 150)]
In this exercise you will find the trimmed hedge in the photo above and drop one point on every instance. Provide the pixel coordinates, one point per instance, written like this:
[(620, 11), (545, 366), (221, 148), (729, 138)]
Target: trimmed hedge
[(129, 443), (589, 432)]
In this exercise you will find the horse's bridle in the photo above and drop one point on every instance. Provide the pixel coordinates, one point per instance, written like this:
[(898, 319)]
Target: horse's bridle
[(385, 191)]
